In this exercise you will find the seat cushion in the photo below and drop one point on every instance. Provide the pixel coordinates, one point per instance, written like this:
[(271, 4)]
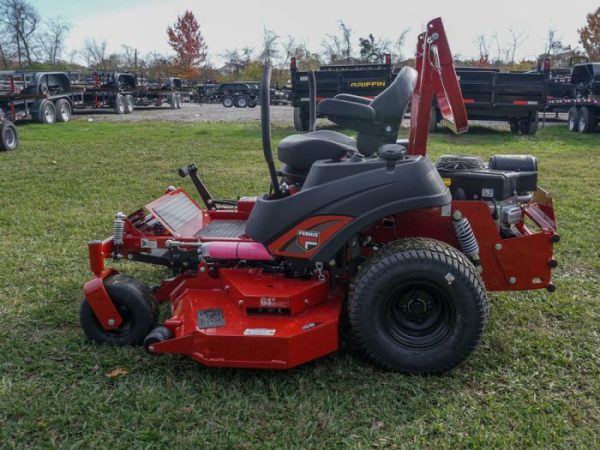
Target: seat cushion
[(300, 151)]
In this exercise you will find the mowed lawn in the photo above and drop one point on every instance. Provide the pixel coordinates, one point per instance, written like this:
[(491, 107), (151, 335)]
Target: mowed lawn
[(534, 383)]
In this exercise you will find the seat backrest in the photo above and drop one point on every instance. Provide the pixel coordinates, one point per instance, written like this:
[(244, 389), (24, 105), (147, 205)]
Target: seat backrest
[(390, 107), (391, 104)]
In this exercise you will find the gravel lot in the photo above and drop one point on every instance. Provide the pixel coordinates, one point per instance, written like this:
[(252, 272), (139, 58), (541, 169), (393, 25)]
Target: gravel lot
[(194, 112), (191, 112)]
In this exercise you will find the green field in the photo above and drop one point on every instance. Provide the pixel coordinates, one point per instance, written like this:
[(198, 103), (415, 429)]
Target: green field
[(534, 383)]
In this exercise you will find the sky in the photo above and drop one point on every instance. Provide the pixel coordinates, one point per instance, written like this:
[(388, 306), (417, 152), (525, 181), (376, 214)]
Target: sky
[(230, 24)]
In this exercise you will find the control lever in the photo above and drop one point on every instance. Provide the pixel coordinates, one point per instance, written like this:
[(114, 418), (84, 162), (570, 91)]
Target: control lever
[(192, 171)]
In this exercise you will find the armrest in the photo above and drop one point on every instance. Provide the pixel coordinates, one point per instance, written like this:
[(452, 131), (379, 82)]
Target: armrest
[(354, 98), (342, 109)]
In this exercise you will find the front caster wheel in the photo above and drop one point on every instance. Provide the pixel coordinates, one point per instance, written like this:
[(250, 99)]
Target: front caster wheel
[(158, 334), (138, 308), (418, 306)]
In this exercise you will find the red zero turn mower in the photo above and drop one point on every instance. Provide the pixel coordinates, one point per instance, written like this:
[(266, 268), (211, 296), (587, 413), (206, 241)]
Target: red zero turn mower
[(366, 232)]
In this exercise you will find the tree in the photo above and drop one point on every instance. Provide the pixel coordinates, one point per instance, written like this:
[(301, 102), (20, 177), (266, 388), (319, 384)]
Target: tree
[(483, 42), (189, 45), (19, 20), (338, 48), (373, 50), (51, 41), (235, 61), (589, 35), (517, 39), (269, 46), (398, 47), (95, 53)]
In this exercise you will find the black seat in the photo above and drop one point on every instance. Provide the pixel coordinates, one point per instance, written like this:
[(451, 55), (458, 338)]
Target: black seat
[(300, 151), (377, 121)]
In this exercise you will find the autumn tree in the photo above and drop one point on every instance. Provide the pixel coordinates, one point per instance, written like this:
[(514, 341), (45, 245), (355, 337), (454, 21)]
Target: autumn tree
[(189, 45), (589, 35)]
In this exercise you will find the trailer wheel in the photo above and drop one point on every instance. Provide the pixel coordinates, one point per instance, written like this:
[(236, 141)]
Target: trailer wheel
[(64, 111), (301, 119), (573, 118), (252, 104), (173, 101), (418, 306), (529, 126), (129, 104), (227, 101), (587, 120), (241, 101), (119, 106), (514, 126), (47, 112), (10, 137), (135, 303)]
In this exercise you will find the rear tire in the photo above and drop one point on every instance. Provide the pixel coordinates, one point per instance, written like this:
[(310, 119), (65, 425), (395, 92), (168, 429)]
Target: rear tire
[(241, 101), (573, 119), (10, 137), (64, 112), (587, 120), (301, 119), (47, 112), (227, 101), (529, 126), (129, 104), (418, 306), (119, 106), (135, 303), (514, 126)]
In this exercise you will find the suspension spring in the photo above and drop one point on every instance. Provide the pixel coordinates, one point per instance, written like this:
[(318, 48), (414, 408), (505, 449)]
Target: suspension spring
[(466, 238), (118, 234)]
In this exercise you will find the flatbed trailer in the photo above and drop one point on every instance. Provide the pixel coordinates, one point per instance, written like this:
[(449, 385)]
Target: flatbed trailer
[(491, 95), (44, 97), (365, 80), (581, 99), (157, 93), (104, 90)]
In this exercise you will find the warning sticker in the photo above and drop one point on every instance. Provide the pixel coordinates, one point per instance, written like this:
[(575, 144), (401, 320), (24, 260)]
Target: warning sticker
[(259, 332)]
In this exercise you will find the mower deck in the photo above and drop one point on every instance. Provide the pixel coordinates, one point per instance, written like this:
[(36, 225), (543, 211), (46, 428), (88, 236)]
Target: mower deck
[(252, 319)]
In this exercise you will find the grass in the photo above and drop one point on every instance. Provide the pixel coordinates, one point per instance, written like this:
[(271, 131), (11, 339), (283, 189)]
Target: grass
[(535, 381)]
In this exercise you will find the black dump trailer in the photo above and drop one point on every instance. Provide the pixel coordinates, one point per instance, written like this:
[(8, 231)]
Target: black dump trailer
[(241, 94), (580, 98), (45, 97), (500, 96), (104, 90), (159, 92), (366, 80), (207, 92)]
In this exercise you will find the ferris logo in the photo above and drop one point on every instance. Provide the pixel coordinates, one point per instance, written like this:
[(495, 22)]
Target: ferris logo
[(308, 239)]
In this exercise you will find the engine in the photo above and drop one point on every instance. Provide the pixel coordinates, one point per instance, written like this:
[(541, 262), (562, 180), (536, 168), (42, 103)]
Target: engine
[(506, 184)]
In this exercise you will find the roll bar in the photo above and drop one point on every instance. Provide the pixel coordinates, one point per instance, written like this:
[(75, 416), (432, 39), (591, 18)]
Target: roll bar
[(265, 124), (436, 78)]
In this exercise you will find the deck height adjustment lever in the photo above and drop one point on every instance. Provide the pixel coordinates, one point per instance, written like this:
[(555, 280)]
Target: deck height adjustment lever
[(192, 171)]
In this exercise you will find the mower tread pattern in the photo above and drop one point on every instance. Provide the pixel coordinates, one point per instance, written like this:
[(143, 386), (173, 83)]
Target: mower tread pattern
[(395, 253)]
